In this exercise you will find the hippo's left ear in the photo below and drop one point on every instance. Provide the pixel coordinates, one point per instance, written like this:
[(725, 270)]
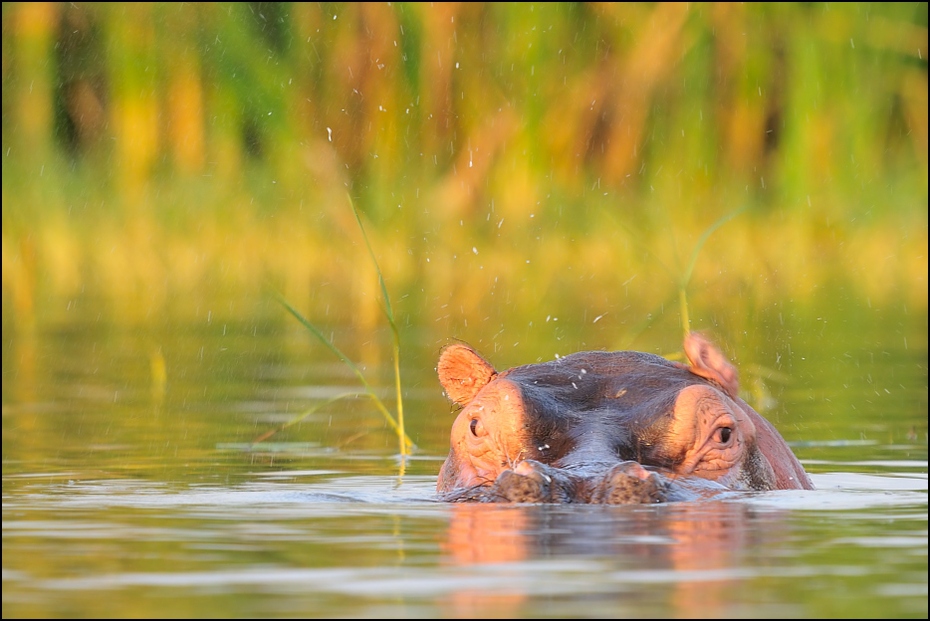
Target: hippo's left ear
[(709, 362), (463, 372)]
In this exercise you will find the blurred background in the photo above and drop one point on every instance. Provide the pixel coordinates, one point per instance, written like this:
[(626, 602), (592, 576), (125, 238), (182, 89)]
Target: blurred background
[(506, 157), (533, 178)]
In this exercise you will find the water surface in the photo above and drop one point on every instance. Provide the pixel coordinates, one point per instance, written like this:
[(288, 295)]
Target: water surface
[(124, 496)]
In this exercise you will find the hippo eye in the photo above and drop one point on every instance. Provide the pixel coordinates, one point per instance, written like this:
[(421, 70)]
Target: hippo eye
[(724, 434), (474, 427)]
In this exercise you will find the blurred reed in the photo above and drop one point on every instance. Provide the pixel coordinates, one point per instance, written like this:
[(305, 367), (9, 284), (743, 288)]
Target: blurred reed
[(509, 159)]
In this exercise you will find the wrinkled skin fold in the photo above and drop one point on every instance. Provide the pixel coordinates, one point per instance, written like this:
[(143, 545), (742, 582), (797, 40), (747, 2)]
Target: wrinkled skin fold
[(607, 428)]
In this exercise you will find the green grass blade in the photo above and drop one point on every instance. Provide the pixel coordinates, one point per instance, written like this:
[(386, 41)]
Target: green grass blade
[(405, 442), (304, 415), (389, 313), (384, 294), (686, 276), (319, 335), (704, 236)]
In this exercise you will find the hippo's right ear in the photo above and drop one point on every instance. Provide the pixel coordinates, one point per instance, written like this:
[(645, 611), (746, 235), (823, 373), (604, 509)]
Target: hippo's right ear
[(463, 372), (709, 362)]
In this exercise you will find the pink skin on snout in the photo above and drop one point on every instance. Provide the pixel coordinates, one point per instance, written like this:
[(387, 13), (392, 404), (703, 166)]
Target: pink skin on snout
[(488, 437)]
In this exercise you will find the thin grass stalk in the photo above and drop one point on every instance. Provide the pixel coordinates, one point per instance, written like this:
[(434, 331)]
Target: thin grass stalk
[(686, 276), (683, 309), (304, 415), (405, 442), (704, 236), (389, 313)]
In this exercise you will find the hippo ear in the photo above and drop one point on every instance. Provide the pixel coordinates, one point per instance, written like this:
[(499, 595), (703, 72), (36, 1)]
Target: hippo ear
[(709, 362), (463, 372)]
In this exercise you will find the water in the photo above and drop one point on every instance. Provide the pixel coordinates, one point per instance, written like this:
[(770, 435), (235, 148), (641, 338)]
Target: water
[(124, 496)]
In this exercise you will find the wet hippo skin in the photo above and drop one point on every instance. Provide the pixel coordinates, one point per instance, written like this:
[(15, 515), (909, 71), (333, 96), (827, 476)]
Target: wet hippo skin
[(607, 427)]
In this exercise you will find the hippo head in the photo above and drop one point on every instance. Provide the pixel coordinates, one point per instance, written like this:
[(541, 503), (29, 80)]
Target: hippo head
[(582, 415)]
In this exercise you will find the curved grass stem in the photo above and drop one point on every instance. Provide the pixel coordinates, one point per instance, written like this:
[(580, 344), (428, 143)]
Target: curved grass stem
[(406, 443), (302, 416), (686, 276), (397, 425)]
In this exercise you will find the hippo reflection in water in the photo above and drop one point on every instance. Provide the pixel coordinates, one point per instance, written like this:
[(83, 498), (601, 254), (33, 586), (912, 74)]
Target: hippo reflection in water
[(607, 427)]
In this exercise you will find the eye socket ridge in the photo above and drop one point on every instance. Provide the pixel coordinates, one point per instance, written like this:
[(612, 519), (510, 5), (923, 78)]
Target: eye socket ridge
[(723, 430), (723, 425)]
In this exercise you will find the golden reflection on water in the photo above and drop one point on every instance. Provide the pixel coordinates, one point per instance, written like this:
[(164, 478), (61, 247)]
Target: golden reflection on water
[(702, 545)]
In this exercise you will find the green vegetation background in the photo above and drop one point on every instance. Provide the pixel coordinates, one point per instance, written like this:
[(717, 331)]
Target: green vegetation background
[(511, 160)]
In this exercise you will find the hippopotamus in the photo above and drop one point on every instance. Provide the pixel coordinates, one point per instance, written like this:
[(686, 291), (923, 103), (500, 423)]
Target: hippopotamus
[(607, 427)]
